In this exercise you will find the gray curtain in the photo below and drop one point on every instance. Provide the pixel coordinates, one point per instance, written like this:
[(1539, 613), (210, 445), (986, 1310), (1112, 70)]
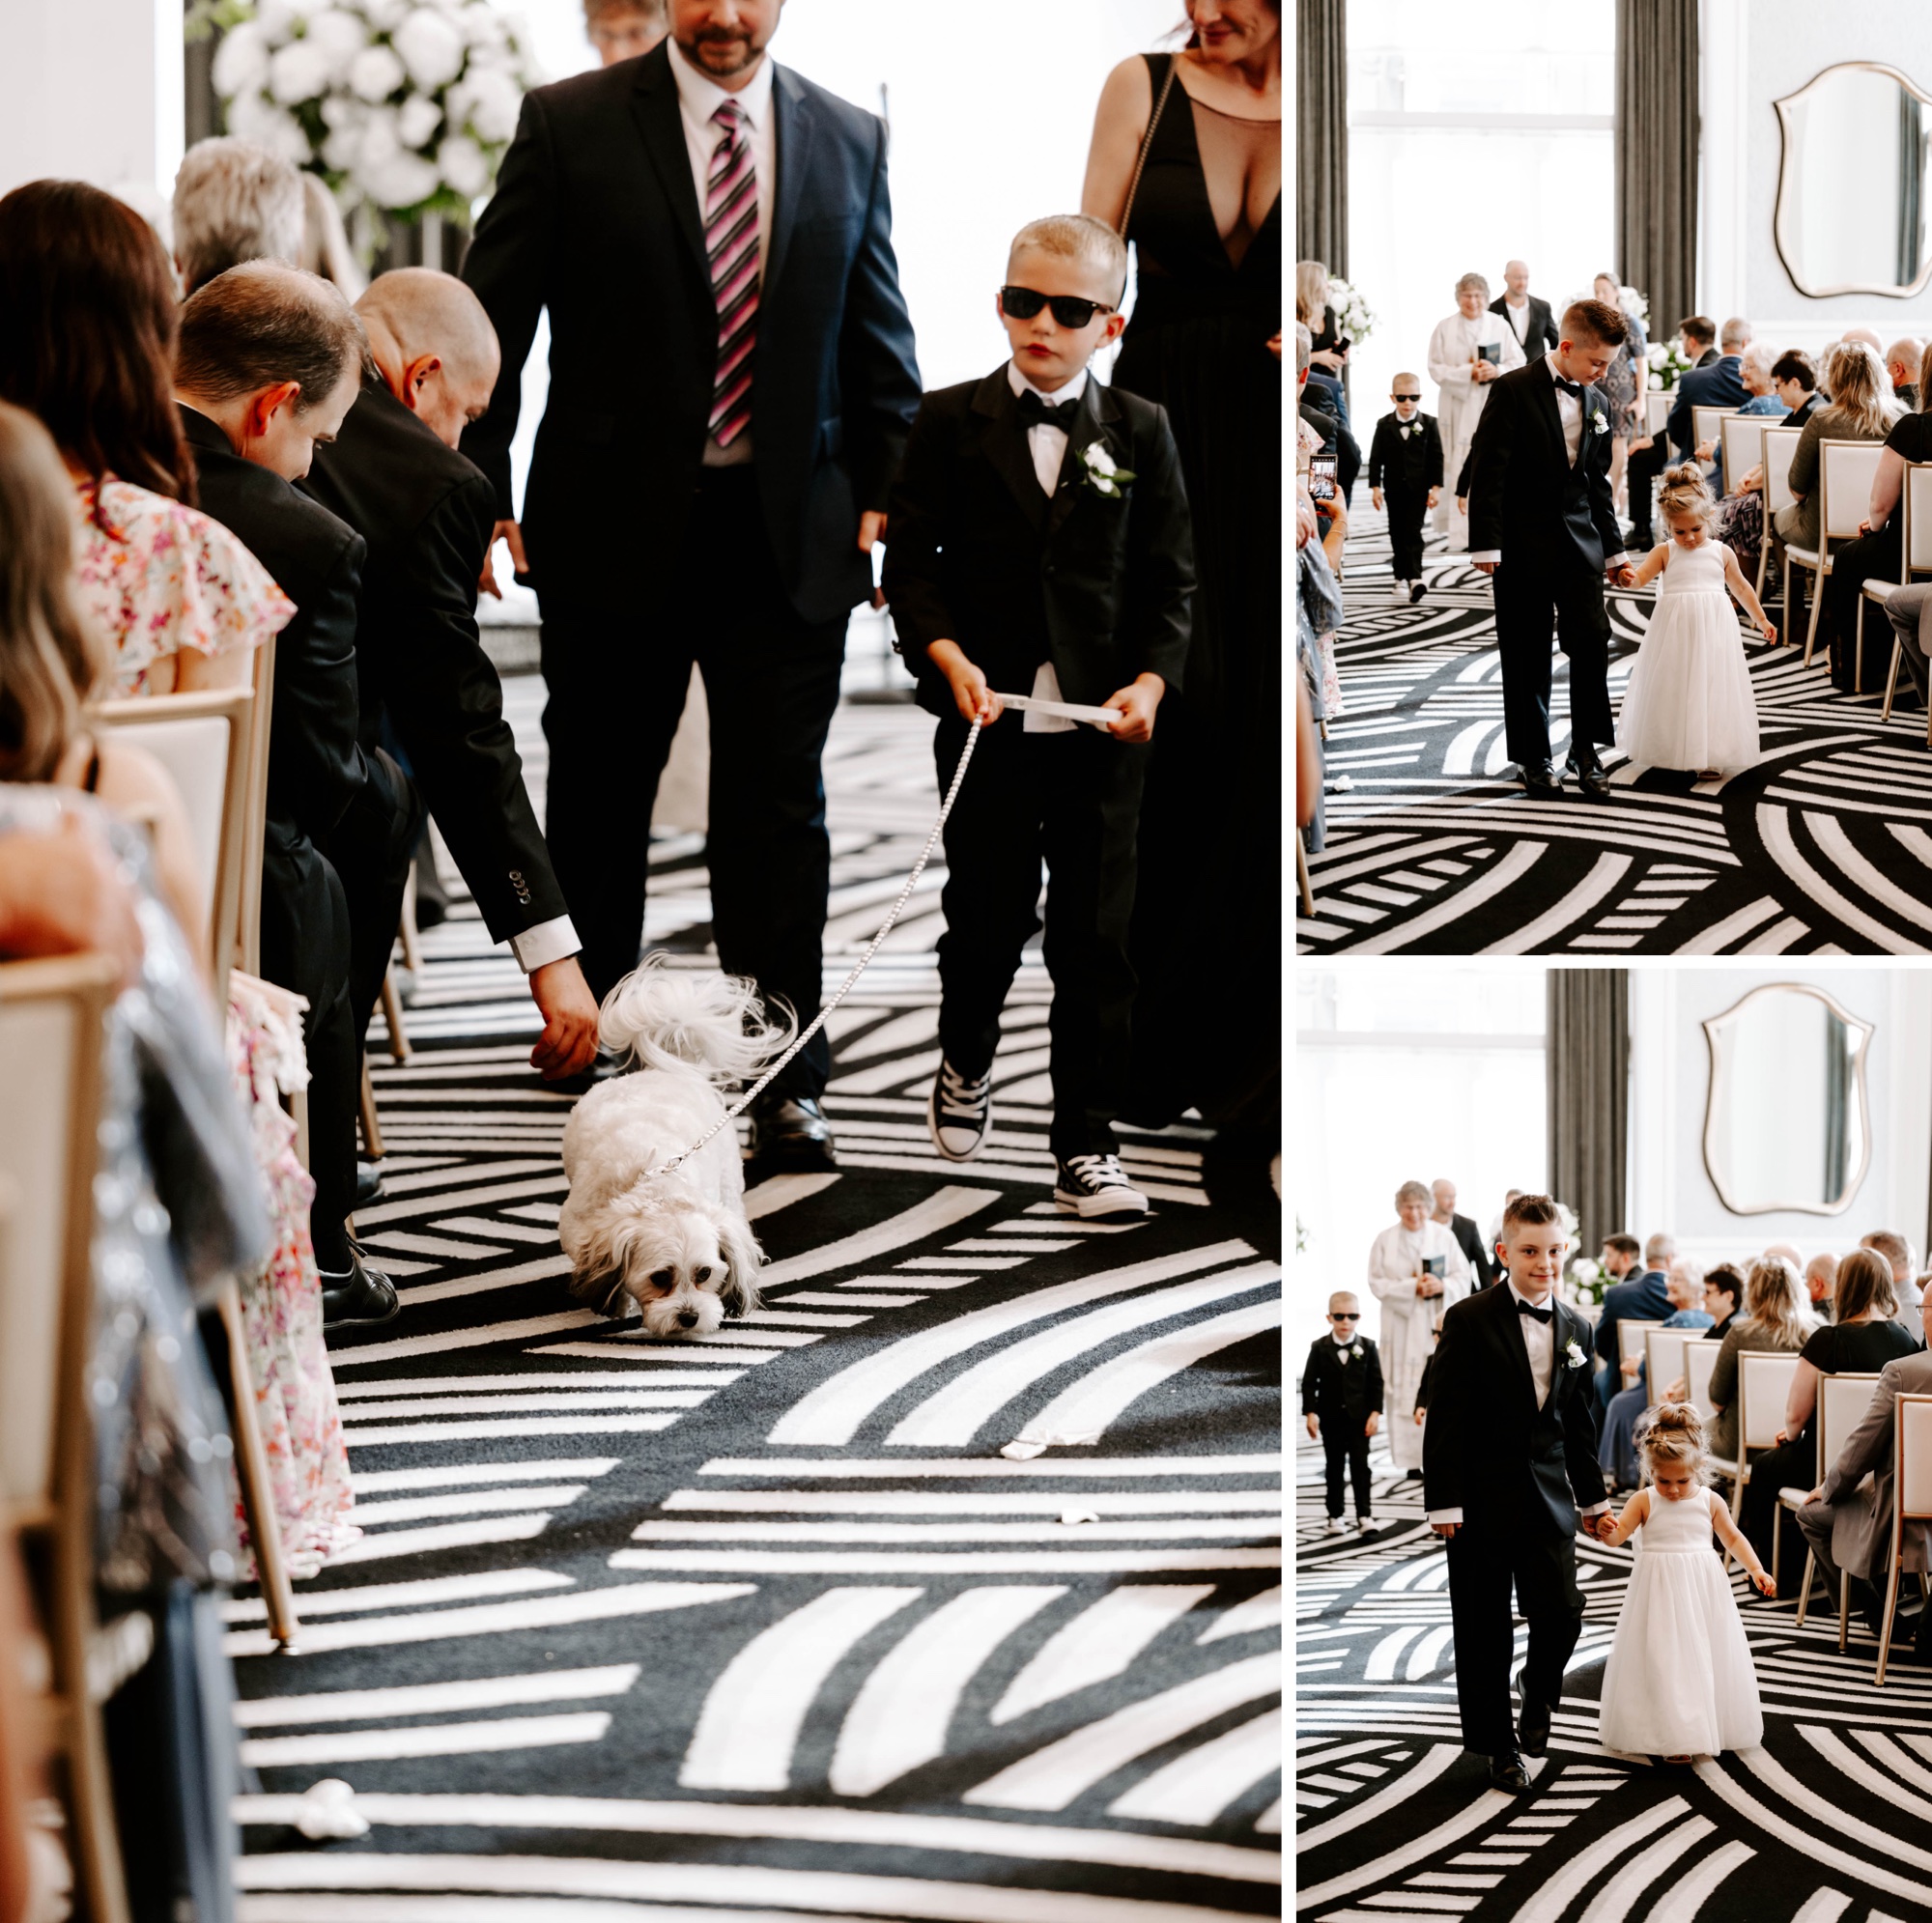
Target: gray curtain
[(1588, 1057), (1838, 1098), (1322, 134), (1657, 156)]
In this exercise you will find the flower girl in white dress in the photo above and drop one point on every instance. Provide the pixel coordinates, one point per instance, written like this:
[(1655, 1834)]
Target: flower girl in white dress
[(1680, 1683), (1689, 702)]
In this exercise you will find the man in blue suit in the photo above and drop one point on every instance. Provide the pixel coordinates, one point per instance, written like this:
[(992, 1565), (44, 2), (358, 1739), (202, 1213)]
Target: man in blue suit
[(1637, 1295), (1721, 384), (732, 382)]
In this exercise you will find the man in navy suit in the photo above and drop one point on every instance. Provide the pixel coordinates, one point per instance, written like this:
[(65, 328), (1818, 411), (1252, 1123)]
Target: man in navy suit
[(1639, 1295), (1721, 384), (731, 386)]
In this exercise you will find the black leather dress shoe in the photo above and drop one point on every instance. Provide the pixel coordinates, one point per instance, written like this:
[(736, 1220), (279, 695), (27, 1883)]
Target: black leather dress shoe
[(790, 1134), (1506, 1772), (368, 1183), (362, 1297), (1541, 782), (1590, 778), (1532, 1731)]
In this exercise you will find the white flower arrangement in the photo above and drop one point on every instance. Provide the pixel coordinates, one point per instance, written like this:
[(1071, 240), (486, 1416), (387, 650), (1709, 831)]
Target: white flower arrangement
[(1636, 305), (1667, 365), (402, 107), (1104, 474), (1354, 318)]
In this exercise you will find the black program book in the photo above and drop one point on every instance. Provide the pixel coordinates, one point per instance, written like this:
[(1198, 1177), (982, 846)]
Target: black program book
[(1492, 351)]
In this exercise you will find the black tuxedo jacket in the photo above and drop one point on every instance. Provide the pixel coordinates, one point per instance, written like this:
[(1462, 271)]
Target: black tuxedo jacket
[(1341, 1392), (1469, 1239), (1487, 1448), (982, 555), (1411, 465), (1539, 337), (1525, 496), (596, 216), (426, 515)]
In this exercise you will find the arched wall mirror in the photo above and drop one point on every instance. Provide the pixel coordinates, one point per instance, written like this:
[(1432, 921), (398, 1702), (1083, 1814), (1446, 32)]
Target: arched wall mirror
[(1852, 195), (1787, 1122)]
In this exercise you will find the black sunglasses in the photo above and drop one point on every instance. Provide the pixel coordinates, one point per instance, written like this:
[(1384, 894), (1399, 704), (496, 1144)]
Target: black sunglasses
[(1404, 397), (1068, 309), (1351, 1315)]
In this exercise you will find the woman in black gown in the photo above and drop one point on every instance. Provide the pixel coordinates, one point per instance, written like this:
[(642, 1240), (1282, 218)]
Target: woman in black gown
[(1204, 341)]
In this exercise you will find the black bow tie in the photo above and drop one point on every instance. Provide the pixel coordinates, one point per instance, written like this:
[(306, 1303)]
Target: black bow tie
[(1035, 412), (1537, 1315), (1573, 388)]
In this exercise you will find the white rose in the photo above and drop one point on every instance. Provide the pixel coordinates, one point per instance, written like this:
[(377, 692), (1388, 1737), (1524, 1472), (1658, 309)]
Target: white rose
[(431, 46), (299, 73), (339, 111), (1100, 459), (375, 74), (241, 61), (340, 36), (463, 166), (278, 19), (402, 181), (482, 25), (491, 102), (385, 15), (378, 144), (343, 146), (416, 119)]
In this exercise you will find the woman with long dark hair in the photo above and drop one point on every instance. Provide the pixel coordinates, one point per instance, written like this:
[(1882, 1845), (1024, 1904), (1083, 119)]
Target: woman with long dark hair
[(1186, 163)]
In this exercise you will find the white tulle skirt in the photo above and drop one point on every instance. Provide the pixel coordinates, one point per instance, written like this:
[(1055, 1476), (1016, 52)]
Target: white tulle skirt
[(1688, 703), (1680, 1680)]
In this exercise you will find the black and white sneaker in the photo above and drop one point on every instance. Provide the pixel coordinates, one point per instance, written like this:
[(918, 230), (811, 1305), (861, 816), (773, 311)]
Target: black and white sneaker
[(959, 1113), (1093, 1187)]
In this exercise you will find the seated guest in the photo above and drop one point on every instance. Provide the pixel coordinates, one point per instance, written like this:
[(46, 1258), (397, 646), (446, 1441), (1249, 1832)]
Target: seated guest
[(1821, 1282), (269, 361), (1721, 384), (1794, 379), (1617, 1447), (1649, 457), (1862, 1341), (1723, 1297), (1319, 407), (1774, 1318), (1897, 1253), (427, 513), (1643, 1295), (62, 894), (1902, 359), (1862, 409), (235, 202), (88, 319)]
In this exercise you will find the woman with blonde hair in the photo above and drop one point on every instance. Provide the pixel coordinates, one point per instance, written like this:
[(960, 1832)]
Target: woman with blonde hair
[(1468, 349), (1775, 1319), (1863, 407), (1416, 1271)]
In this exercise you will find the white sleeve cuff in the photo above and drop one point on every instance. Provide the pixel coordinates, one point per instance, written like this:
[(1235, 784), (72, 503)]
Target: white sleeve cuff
[(1594, 1509), (1617, 560), (1445, 1515), (1486, 555), (548, 942)]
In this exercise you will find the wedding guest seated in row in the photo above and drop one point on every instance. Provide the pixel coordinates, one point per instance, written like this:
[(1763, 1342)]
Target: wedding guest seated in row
[(269, 365), (1320, 405), (1328, 347), (1903, 360), (1895, 1252), (1721, 384), (1641, 1293), (234, 202), (1697, 340), (62, 894), (1415, 1271), (1740, 522), (1821, 1282), (1865, 1336), (1774, 1318), (1862, 409), (1616, 1445)]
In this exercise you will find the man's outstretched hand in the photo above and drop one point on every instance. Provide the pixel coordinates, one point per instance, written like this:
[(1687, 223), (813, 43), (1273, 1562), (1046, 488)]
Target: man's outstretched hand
[(568, 1044), (510, 533)]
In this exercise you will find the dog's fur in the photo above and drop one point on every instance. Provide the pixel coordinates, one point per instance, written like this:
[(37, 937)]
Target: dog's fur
[(676, 1243)]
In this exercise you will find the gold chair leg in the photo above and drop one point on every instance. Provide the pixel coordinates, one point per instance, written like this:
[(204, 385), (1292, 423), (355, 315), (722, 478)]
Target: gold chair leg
[(258, 1496), (1884, 1626), (393, 1016), (412, 957), (1777, 1541), (1859, 648), (298, 1113), (1301, 880), (372, 1128), (1844, 1610), (1817, 606), (1804, 1594), (1892, 677)]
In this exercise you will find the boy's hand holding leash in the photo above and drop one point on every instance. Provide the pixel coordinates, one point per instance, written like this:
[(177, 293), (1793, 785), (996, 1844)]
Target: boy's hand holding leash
[(972, 693), (1136, 703)]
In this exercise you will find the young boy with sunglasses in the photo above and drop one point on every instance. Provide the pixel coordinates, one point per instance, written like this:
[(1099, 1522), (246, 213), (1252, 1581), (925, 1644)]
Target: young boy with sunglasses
[(1040, 546), (1406, 470), (1342, 1403)]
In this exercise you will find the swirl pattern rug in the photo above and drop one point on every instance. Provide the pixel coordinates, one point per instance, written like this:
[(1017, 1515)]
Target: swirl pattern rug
[(766, 1625), (1823, 847)]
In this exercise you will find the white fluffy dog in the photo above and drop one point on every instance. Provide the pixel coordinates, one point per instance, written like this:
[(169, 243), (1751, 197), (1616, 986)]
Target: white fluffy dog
[(677, 1243)]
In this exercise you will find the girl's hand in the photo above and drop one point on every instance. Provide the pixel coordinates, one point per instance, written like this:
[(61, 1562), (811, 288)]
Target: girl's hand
[(1768, 628), (1762, 1583)]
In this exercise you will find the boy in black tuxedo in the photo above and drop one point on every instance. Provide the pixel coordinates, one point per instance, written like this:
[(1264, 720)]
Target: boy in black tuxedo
[(1342, 1403), (1040, 546), (1406, 470)]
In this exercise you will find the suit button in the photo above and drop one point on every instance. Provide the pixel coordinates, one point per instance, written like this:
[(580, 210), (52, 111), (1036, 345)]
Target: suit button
[(1046, 568)]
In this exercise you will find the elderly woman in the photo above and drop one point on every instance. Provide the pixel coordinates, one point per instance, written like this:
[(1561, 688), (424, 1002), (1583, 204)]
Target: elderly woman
[(1775, 1319), (1417, 1270), (1616, 1448), (1467, 351), (1624, 382)]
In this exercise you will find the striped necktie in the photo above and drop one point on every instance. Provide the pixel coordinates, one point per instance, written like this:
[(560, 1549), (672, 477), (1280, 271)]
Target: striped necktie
[(731, 246)]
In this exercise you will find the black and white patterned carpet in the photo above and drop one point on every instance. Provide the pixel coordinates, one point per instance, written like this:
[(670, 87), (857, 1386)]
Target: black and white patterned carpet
[(1830, 1821), (765, 1626), (1823, 847)]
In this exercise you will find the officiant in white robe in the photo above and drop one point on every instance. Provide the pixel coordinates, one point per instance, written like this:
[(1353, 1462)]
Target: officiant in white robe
[(1398, 1280), (1453, 359)]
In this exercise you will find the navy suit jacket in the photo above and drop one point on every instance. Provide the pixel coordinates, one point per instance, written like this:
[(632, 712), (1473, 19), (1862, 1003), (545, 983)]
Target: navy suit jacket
[(1640, 1298), (595, 217), (1718, 386)]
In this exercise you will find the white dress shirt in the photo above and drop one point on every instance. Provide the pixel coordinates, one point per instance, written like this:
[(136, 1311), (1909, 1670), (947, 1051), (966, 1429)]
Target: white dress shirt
[(1047, 445), (1539, 1337), (698, 98), (1518, 318), (1569, 411), (548, 942)]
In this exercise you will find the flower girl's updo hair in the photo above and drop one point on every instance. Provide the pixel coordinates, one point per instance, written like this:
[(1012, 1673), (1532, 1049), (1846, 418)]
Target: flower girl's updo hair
[(1686, 494), (1675, 1434)]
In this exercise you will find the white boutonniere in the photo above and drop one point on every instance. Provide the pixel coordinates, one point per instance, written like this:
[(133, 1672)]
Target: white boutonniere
[(1573, 1357), (1104, 474), (1356, 1351), (1600, 424)]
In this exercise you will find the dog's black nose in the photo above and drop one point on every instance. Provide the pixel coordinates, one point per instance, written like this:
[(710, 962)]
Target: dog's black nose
[(687, 1318)]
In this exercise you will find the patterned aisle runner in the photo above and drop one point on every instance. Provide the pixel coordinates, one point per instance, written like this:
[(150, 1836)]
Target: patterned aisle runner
[(1823, 847), (1825, 1823), (765, 1625)]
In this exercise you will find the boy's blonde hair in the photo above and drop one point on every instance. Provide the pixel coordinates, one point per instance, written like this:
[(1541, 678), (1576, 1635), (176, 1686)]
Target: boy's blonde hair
[(1075, 237), (1675, 1434), (1343, 1295)]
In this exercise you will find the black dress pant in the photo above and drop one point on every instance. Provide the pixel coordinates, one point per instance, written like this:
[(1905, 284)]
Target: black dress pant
[(1347, 1445), (1406, 513), (1641, 472), (305, 948), (1791, 1465), (1533, 597), (1072, 799), (1869, 557), (371, 849), (616, 676), (1485, 1559)]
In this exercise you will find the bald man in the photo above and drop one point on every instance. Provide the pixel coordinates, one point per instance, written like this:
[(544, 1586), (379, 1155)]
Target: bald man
[(1529, 318), (1901, 363), (394, 475)]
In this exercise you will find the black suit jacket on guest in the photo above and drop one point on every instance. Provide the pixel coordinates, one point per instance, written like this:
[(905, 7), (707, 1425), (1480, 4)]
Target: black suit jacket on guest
[(982, 555), (1487, 1449), (1406, 465), (1469, 1239), (1337, 1391), (426, 514), (596, 216), (1539, 337), (1525, 496)]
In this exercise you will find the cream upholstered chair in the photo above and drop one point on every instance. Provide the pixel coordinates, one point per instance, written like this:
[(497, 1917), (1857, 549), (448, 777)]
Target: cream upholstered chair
[(1780, 444), (1911, 1498), (1656, 410), (51, 1020), (1842, 1403), (1662, 1358), (1631, 1337), (1742, 445), (1708, 424), (1914, 503), (1700, 1358), (1845, 470), (1764, 1387)]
